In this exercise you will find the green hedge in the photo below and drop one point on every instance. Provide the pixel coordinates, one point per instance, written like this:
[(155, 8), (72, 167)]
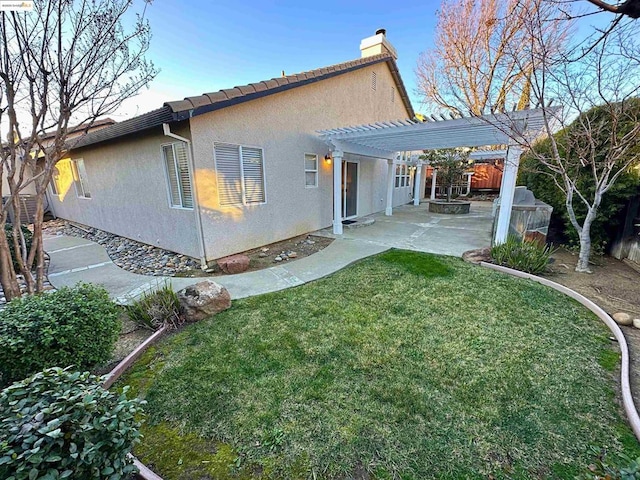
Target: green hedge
[(610, 216), (61, 424), (72, 326), (28, 238)]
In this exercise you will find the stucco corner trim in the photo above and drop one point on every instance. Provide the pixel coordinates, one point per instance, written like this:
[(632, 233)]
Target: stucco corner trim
[(627, 398)]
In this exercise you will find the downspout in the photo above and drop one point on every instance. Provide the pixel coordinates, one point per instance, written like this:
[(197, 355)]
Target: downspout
[(196, 205)]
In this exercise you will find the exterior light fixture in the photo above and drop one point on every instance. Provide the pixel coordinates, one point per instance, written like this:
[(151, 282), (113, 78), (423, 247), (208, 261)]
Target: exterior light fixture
[(327, 158)]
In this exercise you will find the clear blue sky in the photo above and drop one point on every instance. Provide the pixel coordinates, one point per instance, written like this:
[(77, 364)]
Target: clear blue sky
[(203, 46)]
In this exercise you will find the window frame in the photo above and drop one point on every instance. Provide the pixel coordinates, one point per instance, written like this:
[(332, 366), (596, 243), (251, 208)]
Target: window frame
[(168, 179), (402, 177), (316, 171), (244, 202), (53, 184), (77, 180)]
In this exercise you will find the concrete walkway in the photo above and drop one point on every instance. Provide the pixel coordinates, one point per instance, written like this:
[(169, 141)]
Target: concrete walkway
[(76, 260), (411, 227)]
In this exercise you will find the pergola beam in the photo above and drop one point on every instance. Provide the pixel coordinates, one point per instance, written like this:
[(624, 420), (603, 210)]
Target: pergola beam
[(381, 140)]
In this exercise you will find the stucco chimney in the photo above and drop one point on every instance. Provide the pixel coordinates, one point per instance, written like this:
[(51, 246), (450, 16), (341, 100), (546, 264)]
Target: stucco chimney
[(377, 44)]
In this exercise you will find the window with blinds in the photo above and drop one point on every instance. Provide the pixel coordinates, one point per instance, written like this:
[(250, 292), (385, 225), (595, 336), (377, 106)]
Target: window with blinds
[(240, 174), (176, 161)]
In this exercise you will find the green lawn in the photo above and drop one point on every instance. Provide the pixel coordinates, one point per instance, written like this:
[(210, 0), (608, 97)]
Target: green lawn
[(402, 366)]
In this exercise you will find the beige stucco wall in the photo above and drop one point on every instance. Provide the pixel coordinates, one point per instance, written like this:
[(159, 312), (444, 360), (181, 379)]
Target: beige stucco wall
[(284, 125), (129, 194)]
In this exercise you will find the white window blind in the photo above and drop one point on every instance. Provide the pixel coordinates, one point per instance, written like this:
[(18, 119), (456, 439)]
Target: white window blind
[(253, 173), (229, 173), (310, 170), (240, 174), (176, 160), (80, 178)]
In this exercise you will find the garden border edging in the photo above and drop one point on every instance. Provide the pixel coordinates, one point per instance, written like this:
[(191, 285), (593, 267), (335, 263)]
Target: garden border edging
[(627, 399), (144, 472)]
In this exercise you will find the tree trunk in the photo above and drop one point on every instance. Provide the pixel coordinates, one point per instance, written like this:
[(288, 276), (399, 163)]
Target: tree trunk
[(449, 193), (39, 245), (585, 242), (8, 278)]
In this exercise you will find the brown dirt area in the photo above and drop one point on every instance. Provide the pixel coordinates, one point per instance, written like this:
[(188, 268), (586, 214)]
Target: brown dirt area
[(264, 257), (614, 286)]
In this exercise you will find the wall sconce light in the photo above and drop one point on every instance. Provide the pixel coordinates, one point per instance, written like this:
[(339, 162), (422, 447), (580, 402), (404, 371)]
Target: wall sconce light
[(327, 158)]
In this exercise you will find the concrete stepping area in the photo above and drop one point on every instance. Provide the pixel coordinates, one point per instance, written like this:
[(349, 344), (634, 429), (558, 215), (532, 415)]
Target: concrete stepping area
[(76, 260)]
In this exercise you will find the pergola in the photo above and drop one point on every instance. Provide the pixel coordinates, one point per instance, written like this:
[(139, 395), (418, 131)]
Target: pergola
[(388, 140)]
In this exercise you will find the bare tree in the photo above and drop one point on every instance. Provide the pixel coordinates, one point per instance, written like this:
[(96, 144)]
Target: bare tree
[(474, 66), (630, 8), (595, 138), (66, 63)]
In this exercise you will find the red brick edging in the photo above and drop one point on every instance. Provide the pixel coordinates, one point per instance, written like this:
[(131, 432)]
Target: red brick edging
[(627, 399)]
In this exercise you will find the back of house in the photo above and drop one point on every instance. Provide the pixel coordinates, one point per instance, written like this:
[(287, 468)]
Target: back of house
[(224, 172)]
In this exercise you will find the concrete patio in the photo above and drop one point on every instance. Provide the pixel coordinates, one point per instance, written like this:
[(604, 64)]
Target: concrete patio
[(413, 228)]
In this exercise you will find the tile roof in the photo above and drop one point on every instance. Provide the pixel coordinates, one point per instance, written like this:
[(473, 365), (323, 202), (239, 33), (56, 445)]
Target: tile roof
[(208, 102), (142, 122)]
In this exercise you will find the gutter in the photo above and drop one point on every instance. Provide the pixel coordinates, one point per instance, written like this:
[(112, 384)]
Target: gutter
[(196, 205)]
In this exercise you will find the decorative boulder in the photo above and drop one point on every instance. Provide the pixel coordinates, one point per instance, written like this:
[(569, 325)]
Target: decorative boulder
[(477, 256), (636, 322), (203, 300), (234, 264), (622, 318)]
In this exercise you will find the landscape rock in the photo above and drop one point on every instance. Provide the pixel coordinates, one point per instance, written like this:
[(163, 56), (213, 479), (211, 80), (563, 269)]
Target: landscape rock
[(636, 322), (234, 264), (293, 255), (623, 318), (477, 256), (203, 300), (277, 259), (126, 253)]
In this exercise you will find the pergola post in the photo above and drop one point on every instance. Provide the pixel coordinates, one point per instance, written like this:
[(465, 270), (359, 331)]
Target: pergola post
[(507, 191), (434, 174), (337, 191), (390, 175), (418, 183)]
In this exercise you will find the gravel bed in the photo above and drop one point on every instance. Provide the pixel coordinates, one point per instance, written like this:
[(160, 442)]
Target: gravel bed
[(126, 253), (23, 286)]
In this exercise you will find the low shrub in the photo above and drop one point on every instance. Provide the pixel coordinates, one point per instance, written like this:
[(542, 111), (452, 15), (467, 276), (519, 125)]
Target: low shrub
[(529, 256), (28, 238), (156, 309), (73, 326), (611, 466), (62, 424)]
